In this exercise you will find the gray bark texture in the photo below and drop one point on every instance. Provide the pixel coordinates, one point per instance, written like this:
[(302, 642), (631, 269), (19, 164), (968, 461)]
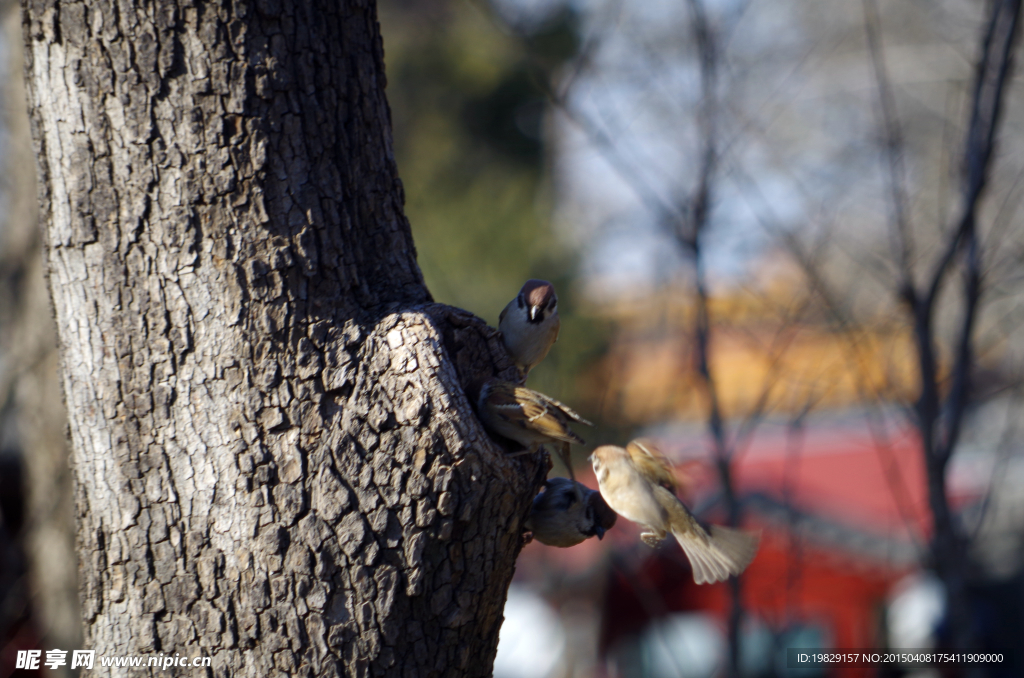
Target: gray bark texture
[(29, 388), (275, 462)]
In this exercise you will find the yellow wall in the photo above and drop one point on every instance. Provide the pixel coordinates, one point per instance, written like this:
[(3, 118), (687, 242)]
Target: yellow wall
[(649, 372)]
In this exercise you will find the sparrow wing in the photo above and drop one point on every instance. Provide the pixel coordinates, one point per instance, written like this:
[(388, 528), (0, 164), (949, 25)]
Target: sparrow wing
[(551, 403), (503, 401), (529, 410), (713, 557), (549, 422), (650, 463)]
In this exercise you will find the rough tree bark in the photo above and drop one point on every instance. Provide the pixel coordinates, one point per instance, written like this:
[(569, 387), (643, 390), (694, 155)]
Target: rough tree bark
[(275, 462)]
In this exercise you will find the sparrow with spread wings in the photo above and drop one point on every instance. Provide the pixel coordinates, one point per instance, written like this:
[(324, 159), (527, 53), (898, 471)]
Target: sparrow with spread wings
[(637, 483)]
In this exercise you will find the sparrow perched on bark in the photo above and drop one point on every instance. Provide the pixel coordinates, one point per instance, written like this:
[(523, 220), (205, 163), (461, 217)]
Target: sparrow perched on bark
[(528, 417), (529, 324), (567, 512), (637, 483)]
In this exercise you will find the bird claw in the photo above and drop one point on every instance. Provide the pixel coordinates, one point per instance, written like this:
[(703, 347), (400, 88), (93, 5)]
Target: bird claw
[(527, 537), (651, 539)]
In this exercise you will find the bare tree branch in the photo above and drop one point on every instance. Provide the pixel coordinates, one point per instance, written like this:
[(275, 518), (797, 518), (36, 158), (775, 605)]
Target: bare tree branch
[(894, 149), (990, 80)]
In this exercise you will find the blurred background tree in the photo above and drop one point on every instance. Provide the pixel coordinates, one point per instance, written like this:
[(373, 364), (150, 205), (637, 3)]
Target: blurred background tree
[(468, 96), (39, 596)]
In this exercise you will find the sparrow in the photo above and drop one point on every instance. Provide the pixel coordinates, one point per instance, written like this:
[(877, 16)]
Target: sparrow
[(560, 517), (529, 324), (637, 483), (528, 417)]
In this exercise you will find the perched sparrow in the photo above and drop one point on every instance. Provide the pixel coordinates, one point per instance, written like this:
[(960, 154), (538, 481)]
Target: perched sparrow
[(638, 485), (529, 324), (568, 512), (527, 417)]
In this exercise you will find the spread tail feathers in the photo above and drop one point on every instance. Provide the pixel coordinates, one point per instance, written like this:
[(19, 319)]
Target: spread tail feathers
[(725, 552)]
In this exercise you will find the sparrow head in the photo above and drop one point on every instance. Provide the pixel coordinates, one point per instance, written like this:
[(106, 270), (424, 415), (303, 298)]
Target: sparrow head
[(538, 299), (566, 513), (600, 514), (607, 456), (559, 494)]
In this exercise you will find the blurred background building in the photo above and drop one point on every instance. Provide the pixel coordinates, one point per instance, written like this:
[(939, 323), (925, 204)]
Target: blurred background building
[(713, 186)]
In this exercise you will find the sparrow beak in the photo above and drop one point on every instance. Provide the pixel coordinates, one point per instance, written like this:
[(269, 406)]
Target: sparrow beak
[(534, 310), (599, 531)]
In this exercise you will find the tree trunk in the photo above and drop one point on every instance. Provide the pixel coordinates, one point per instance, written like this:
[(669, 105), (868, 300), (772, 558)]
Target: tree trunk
[(275, 463)]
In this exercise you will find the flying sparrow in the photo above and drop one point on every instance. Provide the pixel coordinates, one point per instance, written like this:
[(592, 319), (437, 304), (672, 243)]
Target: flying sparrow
[(637, 483), (560, 517), (528, 417), (529, 324)]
